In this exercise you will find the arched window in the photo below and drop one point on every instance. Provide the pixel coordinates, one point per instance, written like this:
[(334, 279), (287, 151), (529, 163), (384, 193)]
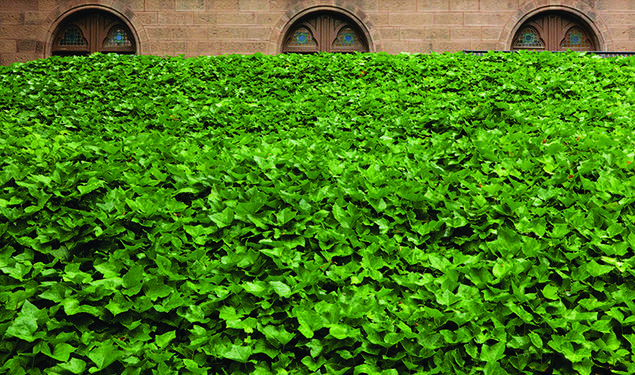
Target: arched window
[(93, 31), (528, 37), (555, 32), (324, 32), (576, 38)]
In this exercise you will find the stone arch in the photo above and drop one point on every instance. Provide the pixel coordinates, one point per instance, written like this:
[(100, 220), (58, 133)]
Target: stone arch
[(577, 9), (116, 9), (307, 7)]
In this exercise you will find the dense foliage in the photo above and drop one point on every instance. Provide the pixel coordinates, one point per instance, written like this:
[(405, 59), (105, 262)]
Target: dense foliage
[(326, 214)]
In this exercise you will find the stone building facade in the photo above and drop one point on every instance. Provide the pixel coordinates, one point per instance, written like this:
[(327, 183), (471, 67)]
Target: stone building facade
[(32, 29)]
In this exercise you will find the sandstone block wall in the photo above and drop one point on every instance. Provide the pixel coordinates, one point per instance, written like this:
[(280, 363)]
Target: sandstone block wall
[(208, 27)]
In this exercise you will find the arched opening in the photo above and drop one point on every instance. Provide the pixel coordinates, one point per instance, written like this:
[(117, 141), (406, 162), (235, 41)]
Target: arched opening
[(324, 31), (91, 31), (555, 31)]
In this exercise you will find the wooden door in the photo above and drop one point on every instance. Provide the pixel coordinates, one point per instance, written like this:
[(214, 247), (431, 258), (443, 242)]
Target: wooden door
[(554, 32), (93, 32), (324, 33)]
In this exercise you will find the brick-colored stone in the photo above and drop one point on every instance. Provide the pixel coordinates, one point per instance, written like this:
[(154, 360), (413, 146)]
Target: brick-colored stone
[(27, 45), (490, 33), (411, 19), (419, 46), (615, 4), (239, 47), (147, 18), (437, 33), (236, 18), (156, 5), (280, 5), (455, 18), (254, 5), (464, 5), (484, 45), (19, 33), (428, 33), (11, 18), (227, 32), (379, 19), (189, 32), (159, 32), (486, 19), (623, 45), (498, 5), (175, 18), (398, 5), (35, 18), (389, 33), (620, 19), (433, 5), (267, 18), (621, 32), (134, 5), (451, 46), (257, 32), (225, 5), (396, 47), (197, 5), (465, 33), (19, 4), (208, 19), (47, 5), (367, 5), (8, 46)]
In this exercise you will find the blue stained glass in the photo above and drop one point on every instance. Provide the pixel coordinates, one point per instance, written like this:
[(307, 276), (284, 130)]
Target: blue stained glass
[(576, 38), (118, 38), (528, 38), (72, 37), (349, 38), (301, 38)]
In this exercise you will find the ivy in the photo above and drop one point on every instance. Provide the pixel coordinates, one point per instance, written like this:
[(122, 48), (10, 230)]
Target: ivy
[(329, 214)]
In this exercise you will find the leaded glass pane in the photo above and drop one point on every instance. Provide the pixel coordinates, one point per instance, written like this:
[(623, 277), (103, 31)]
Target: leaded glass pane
[(73, 37), (528, 38), (346, 38), (576, 38), (118, 38), (302, 37)]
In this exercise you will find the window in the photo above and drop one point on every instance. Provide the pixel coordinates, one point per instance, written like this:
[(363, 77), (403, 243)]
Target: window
[(554, 32), (324, 32), (528, 37), (89, 32)]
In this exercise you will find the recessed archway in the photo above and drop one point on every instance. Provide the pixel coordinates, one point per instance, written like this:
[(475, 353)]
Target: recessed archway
[(90, 29), (582, 21), (325, 29), (555, 31)]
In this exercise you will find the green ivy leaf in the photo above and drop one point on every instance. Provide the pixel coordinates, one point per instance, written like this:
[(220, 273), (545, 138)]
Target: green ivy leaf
[(104, 354), (282, 289), (75, 366), (236, 353), (535, 339), (163, 340), (550, 292), (62, 352), (277, 335), (492, 353), (596, 269), (25, 325)]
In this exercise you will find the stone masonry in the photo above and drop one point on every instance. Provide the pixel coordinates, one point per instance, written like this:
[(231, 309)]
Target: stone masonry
[(211, 27)]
